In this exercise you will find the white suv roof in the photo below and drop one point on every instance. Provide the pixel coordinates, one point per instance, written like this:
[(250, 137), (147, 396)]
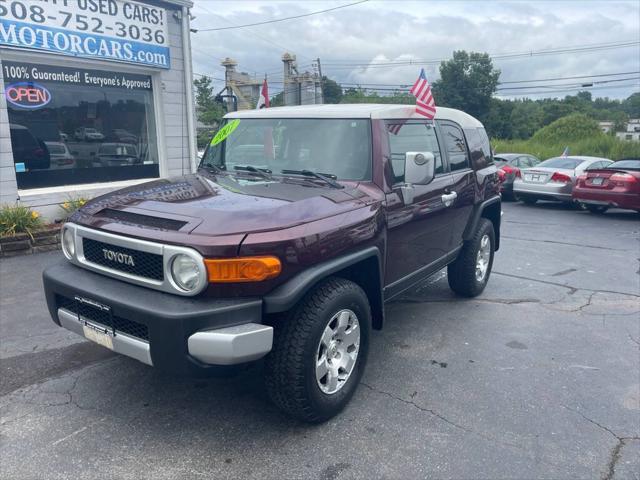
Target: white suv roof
[(357, 110)]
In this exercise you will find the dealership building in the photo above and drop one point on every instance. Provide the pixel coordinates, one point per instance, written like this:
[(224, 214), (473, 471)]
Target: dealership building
[(96, 96)]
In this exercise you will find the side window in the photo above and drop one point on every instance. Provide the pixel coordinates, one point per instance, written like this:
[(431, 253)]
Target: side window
[(456, 147), (411, 137)]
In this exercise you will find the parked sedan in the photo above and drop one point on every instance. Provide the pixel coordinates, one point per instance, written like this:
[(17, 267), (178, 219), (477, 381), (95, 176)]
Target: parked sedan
[(617, 185), (88, 134), (554, 178), (60, 155), (511, 164), (117, 155)]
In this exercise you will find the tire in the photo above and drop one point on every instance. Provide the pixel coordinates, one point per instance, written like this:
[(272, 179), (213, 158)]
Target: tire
[(290, 369), (598, 209), (462, 273), (528, 200)]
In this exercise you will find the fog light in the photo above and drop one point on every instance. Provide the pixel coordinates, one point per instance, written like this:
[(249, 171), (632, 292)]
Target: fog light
[(68, 243), (185, 272)]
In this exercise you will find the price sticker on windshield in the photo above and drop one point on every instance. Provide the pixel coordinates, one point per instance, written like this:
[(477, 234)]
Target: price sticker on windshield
[(225, 131)]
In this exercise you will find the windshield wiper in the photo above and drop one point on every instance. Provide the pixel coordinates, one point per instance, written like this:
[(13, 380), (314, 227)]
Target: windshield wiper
[(325, 177), (263, 172), (211, 167)]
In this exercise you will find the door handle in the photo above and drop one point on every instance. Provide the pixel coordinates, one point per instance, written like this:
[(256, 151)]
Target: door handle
[(448, 198)]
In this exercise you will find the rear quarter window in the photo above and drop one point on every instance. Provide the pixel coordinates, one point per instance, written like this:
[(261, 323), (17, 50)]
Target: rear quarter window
[(479, 147)]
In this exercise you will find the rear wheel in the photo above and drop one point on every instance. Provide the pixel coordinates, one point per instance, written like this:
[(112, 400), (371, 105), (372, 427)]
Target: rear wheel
[(469, 273), (596, 208), (320, 351)]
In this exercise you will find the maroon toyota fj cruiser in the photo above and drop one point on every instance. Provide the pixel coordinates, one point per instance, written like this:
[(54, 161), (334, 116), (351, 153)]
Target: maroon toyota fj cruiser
[(300, 223)]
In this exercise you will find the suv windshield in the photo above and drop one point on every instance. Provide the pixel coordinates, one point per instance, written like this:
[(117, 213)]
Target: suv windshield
[(337, 147)]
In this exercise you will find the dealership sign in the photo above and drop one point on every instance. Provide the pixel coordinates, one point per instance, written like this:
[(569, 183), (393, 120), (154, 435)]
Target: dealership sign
[(27, 95), (117, 30)]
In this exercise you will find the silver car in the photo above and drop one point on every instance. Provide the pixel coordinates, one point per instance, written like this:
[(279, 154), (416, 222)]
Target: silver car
[(554, 178)]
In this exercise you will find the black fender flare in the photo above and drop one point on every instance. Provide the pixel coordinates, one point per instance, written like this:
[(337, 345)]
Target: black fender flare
[(285, 296), (477, 214)]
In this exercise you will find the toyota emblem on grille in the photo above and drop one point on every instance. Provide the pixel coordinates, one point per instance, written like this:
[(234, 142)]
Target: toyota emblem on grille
[(119, 257)]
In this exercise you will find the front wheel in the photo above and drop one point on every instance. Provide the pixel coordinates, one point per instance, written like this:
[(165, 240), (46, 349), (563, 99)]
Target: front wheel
[(469, 273), (320, 351)]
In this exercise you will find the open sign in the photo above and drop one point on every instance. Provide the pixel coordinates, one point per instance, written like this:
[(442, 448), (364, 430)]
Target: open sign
[(27, 95)]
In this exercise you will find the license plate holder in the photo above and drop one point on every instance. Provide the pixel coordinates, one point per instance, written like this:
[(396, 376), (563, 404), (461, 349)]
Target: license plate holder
[(100, 334), (97, 334), (597, 181)]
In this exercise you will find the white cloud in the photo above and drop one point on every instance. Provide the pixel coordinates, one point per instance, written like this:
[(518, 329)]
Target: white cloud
[(380, 31)]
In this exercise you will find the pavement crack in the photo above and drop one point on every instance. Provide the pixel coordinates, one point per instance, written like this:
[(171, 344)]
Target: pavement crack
[(500, 301), (602, 427), (419, 407), (572, 290), (613, 460), (555, 242), (441, 417)]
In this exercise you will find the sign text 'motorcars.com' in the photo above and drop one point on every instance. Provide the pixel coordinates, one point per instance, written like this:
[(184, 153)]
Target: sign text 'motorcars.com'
[(120, 30)]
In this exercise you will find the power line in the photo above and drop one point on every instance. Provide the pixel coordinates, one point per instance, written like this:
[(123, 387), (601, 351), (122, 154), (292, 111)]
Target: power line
[(282, 19), (532, 53)]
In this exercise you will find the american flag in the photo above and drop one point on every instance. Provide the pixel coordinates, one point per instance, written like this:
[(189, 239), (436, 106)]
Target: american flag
[(425, 105)]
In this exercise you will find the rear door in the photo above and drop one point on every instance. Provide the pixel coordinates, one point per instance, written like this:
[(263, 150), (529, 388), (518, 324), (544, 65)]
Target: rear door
[(463, 177), (418, 233)]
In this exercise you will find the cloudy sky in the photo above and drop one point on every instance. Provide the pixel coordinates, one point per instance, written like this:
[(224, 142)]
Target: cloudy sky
[(363, 44)]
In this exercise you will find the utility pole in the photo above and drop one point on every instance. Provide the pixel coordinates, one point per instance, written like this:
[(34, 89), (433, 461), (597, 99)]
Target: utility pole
[(321, 86)]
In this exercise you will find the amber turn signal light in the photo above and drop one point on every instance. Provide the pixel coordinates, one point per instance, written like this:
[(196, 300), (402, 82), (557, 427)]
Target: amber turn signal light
[(243, 269)]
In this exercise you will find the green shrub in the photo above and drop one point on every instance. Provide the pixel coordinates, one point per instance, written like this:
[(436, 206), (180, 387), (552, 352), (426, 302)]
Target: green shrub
[(578, 132), (566, 129), (18, 219)]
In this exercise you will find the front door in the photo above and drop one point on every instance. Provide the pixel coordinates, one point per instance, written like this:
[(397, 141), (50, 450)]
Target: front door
[(418, 233)]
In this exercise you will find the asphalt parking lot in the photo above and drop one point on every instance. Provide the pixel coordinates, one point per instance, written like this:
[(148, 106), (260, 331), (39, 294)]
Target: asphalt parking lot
[(537, 378)]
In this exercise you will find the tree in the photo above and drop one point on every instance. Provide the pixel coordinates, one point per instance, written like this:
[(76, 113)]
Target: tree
[(632, 105), (331, 90), (467, 82), (209, 111)]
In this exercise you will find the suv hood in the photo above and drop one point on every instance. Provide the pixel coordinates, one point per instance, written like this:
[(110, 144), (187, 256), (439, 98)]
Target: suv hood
[(218, 204)]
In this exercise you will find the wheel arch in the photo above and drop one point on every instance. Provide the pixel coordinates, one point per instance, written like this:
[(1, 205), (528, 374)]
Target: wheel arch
[(363, 267), (490, 209)]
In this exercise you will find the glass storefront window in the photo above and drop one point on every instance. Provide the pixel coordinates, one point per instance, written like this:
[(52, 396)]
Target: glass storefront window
[(70, 126)]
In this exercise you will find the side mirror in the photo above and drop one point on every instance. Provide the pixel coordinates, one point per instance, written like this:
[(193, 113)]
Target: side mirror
[(419, 167)]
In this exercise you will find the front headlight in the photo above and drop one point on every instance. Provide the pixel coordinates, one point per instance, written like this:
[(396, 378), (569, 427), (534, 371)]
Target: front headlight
[(185, 272), (68, 243)]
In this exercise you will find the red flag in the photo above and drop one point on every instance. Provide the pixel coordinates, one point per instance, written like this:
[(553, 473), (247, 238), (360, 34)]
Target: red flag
[(263, 101)]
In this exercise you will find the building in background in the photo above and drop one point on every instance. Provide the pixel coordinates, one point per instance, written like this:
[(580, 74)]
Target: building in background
[(298, 88), (632, 133), (93, 101)]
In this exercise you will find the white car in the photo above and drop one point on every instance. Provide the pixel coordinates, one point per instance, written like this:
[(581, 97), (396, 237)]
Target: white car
[(88, 134), (60, 155)]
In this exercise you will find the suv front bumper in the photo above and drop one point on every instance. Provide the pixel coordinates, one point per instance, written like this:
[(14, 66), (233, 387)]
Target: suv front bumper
[(184, 335)]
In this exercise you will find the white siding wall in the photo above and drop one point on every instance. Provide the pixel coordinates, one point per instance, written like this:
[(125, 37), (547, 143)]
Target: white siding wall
[(8, 188), (172, 125)]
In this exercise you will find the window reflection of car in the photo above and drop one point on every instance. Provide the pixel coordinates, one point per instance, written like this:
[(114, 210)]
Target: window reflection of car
[(28, 149), (121, 135), (88, 134), (116, 155), (60, 155)]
